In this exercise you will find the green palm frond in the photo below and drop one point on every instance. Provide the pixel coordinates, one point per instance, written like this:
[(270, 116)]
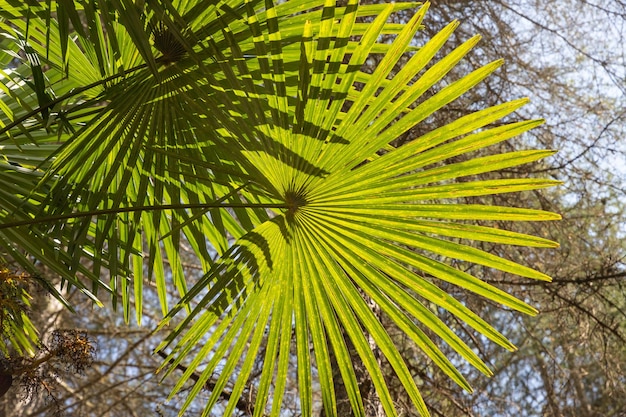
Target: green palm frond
[(251, 131), (17, 331)]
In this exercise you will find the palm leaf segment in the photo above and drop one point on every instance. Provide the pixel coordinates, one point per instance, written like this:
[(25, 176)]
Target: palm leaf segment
[(248, 130)]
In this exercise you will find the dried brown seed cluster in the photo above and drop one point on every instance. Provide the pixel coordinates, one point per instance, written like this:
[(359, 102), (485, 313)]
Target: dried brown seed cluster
[(73, 349), (68, 352)]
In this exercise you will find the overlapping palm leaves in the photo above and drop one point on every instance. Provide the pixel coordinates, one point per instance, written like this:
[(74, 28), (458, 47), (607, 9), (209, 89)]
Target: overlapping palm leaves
[(248, 130)]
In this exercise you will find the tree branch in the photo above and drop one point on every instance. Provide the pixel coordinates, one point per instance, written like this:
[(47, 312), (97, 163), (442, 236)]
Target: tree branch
[(118, 210)]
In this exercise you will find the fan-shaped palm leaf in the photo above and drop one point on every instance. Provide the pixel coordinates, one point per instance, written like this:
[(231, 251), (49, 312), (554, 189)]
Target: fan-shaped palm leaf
[(250, 130)]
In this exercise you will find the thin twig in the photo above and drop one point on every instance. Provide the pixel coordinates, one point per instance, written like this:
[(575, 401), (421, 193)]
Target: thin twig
[(135, 209)]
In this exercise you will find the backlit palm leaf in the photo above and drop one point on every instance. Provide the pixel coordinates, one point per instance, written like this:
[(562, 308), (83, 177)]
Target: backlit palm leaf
[(260, 141)]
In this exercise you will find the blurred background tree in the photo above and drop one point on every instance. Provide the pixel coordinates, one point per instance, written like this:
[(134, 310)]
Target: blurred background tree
[(569, 58)]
